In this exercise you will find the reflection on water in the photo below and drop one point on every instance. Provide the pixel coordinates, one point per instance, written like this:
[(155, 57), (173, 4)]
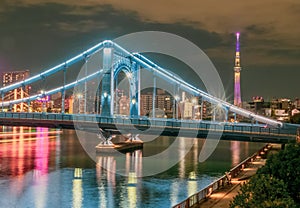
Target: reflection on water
[(43, 167), (235, 149), (25, 154), (77, 188), (133, 168)]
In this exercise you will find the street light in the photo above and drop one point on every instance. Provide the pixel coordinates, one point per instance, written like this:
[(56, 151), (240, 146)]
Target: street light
[(129, 75), (133, 101), (105, 94)]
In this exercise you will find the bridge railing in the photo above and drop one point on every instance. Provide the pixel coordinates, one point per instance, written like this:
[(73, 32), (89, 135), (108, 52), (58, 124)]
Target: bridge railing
[(148, 122), (223, 181)]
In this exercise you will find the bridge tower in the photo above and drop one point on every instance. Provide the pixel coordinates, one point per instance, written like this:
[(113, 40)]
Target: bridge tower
[(107, 96), (135, 90), (111, 70), (237, 74)]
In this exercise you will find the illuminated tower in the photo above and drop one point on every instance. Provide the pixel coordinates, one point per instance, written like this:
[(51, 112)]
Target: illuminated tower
[(237, 74)]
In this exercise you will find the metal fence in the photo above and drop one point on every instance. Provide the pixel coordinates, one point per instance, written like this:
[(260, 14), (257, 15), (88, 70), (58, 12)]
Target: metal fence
[(250, 129), (221, 182)]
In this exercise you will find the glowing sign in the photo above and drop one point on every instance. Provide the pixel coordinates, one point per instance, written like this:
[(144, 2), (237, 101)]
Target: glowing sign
[(44, 99)]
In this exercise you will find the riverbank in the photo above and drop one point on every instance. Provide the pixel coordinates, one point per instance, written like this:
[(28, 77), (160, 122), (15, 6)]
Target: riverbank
[(223, 197), (221, 192)]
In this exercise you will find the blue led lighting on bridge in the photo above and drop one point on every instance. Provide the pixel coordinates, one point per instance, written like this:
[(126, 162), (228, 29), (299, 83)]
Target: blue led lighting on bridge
[(53, 70), (142, 61), (53, 91)]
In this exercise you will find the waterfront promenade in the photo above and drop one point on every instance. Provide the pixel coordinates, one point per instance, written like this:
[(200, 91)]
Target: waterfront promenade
[(222, 197), (221, 191)]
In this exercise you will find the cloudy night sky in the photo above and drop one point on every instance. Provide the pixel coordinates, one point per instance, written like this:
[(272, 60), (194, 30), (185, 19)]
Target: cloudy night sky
[(38, 34)]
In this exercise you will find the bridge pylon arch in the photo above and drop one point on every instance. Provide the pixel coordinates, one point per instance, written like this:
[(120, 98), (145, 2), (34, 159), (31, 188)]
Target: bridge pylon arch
[(112, 70)]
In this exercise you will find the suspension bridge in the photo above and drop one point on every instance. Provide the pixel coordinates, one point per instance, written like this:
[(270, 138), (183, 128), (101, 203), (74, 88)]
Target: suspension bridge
[(115, 59)]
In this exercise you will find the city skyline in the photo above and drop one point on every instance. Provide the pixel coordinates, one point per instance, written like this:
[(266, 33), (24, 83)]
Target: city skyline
[(41, 34)]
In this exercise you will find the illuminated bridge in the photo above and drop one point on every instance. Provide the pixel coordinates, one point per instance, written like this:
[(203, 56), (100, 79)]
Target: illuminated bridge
[(103, 64)]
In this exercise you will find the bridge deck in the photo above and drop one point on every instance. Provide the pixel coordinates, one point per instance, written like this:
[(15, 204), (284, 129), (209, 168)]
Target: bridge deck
[(168, 127)]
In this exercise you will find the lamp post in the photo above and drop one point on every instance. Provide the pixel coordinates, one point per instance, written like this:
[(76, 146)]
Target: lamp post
[(133, 108)]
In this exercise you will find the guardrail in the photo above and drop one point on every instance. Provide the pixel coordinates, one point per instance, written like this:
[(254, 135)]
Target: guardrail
[(221, 182), (244, 128)]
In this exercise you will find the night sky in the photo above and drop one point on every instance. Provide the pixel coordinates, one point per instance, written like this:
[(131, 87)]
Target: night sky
[(38, 34)]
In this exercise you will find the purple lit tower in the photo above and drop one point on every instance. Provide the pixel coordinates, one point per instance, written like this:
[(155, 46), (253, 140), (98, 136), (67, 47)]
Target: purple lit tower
[(237, 74)]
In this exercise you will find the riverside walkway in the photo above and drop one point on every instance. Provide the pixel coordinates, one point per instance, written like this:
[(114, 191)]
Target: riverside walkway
[(222, 191), (223, 197)]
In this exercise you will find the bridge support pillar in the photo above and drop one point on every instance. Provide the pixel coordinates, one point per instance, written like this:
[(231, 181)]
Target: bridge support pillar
[(138, 71), (107, 95), (226, 114), (85, 86), (135, 90), (63, 102), (154, 96), (63, 93), (176, 102)]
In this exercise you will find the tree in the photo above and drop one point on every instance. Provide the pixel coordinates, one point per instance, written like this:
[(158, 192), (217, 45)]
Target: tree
[(286, 166), (263, 191), (277, 184)]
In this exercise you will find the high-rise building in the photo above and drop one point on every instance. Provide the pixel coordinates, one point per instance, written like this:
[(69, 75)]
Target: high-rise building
[(186, 109), (9, 78), (146, 104), (163, 102), (237, 74)]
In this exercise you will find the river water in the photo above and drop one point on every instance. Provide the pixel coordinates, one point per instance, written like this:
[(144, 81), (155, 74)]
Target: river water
[(41, 167)]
